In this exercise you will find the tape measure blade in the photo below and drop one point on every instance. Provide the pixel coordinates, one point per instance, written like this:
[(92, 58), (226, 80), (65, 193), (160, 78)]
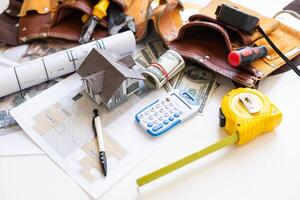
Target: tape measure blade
[(186, 160)]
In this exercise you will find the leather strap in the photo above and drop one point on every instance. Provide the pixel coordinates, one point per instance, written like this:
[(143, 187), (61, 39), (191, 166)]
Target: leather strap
[(286, 60)]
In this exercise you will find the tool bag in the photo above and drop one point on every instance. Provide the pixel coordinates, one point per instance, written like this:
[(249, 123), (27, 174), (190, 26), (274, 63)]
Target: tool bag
[(62, 18), (208, 42), (9, 23), (292, 10)]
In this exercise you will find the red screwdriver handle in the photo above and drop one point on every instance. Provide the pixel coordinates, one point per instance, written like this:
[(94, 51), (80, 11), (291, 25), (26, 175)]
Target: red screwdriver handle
[(246, 55)]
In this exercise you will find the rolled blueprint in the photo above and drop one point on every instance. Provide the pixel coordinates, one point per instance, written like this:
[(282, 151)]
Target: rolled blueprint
[(166, 67), (40, 70)]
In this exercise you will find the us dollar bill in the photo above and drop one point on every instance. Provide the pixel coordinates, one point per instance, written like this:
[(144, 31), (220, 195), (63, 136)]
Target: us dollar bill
[(157, 47), (166, 67), (199, 82)]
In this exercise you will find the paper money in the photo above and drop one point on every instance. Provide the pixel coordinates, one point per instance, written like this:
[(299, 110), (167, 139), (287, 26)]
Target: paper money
[(148, 55), (166, 67), (9, 102), (28, 52), (199, 82), (157, 47)]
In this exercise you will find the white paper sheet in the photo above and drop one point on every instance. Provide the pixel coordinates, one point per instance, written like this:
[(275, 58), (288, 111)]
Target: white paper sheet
[(59, 121), (18, 144)]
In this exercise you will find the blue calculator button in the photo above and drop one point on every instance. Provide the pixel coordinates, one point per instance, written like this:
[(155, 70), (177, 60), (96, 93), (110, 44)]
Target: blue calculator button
[(157, 127), (171, 118), (150, 124), (176, 114), (166, 122)]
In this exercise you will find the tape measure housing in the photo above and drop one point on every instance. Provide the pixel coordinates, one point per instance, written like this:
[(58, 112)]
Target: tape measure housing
[(248, 113)]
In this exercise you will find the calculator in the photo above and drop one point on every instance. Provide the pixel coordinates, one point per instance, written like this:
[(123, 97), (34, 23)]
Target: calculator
[(167, 112)]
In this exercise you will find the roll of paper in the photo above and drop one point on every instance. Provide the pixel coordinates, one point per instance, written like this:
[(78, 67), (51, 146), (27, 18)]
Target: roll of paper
[(46, 68)]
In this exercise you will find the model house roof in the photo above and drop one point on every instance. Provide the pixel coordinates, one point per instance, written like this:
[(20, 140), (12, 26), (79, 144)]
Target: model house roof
[(105, 72)]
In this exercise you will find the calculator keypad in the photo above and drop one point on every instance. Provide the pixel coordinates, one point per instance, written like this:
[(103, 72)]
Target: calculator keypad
[(160, 115), (167, 112)]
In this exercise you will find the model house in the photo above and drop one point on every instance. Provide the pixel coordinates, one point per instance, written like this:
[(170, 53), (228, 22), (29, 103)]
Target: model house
[(109, 79)]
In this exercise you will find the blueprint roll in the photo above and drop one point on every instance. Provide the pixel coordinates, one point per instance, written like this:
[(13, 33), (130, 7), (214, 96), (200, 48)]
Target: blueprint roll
[(22, 76)]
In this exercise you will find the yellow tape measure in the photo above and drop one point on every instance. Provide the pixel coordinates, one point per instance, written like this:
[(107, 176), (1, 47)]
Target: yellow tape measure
[(245, 113)]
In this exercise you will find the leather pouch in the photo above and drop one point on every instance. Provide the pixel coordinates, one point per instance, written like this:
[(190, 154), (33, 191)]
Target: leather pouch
[(9, 23), (293, 9), (208, 42), (62, 18), (55, 19)]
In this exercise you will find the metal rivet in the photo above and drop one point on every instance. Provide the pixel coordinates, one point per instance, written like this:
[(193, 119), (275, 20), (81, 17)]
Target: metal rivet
[(44, 34), (46, 9), (269, 57), (17, 25), (260, 74), (201, 59), (8, 11), (23, 39), (24, 29), (273, 65), (207, 57)]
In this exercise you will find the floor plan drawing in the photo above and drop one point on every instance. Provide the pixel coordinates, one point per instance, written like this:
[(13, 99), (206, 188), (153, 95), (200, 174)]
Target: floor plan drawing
[(62, 127)]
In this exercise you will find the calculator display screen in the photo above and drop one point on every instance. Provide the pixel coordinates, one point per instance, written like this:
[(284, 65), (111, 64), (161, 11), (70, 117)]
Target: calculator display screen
[(180, 100)]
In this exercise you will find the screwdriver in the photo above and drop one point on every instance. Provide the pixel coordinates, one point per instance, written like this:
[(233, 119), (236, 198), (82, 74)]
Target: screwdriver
[(99, 11), (246, 55)]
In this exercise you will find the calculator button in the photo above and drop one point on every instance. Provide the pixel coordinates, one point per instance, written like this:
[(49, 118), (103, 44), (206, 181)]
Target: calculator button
[(145, 121), (163, 103), (171, 104), (176, 114), (152, 109), (166, 114), (166, 107), (155, 121), (161, 110), (167, 99), (151, 117), (157, 127), (166, 121), (157, 106), (171, 118), (147, 112), (181, 112), (161, 118), (142, 116), (171, 111), (156, 114), (175, 108), (150, 124)]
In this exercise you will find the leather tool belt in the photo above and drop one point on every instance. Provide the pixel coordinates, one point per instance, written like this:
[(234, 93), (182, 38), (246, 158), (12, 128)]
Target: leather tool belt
[(208, 42), (201, 38), (62, 18)]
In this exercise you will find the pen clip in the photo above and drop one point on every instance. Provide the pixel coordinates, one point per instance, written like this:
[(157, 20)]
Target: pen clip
[(93, 122)]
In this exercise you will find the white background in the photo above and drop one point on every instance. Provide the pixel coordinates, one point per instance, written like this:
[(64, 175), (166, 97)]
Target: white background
[(267, 168)]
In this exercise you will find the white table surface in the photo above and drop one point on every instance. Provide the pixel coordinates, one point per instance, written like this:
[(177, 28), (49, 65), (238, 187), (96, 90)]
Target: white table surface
[(266, 168)]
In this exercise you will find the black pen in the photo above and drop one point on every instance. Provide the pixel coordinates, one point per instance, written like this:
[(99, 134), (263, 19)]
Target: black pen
[(99, 135)]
